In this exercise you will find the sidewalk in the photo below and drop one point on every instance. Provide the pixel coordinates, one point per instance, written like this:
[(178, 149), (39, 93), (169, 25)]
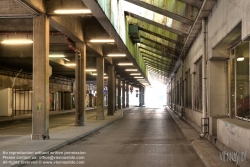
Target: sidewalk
[(26, 116), (59, 136), (208, 153)]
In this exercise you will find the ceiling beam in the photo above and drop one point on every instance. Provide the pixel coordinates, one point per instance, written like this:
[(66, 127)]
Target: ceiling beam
[(182, 31), (161, 34), (195, 3), (158, 52), (155, 56), (70, 26), (166, 12), (159, 43)]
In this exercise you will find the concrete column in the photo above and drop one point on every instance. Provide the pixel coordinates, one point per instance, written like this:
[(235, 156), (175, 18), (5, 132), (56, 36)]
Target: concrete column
[(40, 107), (111, 90), (80, 80), (100, 88), (90, 100), (119, 93), (127, 95), (142, 95), (115, 84), (123, 93)]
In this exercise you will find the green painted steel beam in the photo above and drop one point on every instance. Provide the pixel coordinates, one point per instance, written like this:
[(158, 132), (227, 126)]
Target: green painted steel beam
[(182, 31), (158, 71), (157, 31), (179, 40), (159, 52), (156, 66), (174, 49), (160, 39), (157, 46), (186, 15), (155, 55), (149, 58)]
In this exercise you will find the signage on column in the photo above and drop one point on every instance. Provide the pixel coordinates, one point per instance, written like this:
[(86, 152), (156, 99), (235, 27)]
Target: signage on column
[(105, 89)]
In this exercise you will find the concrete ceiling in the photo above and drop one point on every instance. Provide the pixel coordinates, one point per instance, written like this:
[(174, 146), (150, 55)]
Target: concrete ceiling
[(165, 29)]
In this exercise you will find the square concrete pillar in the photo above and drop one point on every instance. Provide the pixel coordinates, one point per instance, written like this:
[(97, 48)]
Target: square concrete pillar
[(119, 93), (127, 95), (100, 88), (80, 84), (123, 93), (40, 99), (111, 90)]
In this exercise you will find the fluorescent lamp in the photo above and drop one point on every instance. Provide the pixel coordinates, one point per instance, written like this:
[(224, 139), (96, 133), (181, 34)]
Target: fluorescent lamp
[(135, 73), (57, 56), (17, 41), (125, 64), (72, 11), (116, 55), (90, 70), (131, 70), (138, 77), (66, 59), (101, 40), (105, 77), (96, 74), (240, 58), (70, 64)]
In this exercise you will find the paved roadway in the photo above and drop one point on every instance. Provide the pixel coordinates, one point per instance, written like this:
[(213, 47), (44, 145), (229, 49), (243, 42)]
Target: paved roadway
[(143, 137)]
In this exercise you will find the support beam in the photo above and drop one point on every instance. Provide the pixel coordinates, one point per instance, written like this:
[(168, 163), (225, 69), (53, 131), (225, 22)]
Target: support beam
[(100, 87), (119, 93), (80, 84), (40, 107), (127, 94), (123, 93), (182, 31), (70, 26), (111, 90), (186, 18)]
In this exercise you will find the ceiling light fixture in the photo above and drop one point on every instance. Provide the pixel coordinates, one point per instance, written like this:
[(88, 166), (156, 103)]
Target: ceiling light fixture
[(116, 55), (101, 40), (240, 58), (125, 64), (131, 70), (57, 56), (70, 64), (90, 70), (135, 73), (66, 59), (138, 77), (72, 11), (17, 41)]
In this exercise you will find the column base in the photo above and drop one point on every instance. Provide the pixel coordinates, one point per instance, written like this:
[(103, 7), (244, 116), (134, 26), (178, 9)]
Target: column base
[(100, 117), (39, 137), (81, 123), (110, 114)]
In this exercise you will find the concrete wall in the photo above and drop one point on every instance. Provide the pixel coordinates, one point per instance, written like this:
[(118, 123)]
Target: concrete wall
[(235, 134), (224, 17)]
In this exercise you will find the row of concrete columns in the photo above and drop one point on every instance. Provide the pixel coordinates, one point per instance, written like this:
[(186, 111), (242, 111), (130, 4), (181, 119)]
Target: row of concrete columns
[(41, 74)]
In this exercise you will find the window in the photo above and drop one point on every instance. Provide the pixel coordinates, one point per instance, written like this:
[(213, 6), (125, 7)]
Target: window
[(198, 86), (188, 92), (242, 80)]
